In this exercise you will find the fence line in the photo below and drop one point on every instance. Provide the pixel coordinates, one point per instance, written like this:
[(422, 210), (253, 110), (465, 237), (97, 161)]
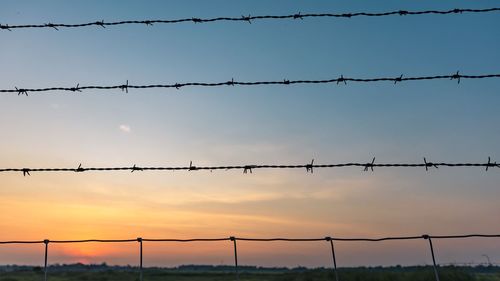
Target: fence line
[(140, 258), (248, 18), (333, 258), (249, 168), (125, 87), (433, 257), (234, 239)]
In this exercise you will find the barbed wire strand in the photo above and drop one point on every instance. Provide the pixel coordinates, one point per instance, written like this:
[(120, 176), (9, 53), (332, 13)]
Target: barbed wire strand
[(309, 168), (248, 19), (125, 87)]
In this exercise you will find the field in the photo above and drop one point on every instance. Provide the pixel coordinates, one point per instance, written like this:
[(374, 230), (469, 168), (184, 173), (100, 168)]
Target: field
[(352, 274)]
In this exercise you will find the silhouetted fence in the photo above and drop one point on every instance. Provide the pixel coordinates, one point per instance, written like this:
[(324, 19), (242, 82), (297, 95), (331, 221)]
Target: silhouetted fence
[(249, 168), (125, 87), (329, 240), (250, 18)]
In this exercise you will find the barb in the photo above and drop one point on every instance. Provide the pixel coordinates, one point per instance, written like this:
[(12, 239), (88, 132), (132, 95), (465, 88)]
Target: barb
[(51, 25), (491, 164), (398, 79), (191, 167), (341, 79), (27, 172), (135, 168), (310, 167), (456, 76), (234, 238), (80, 169), (21, 92), (249, 168), (369, 165), (100, 23), (232, 82), (298, 16), (124, 87), (5, 27), (76, 89), (249, 18), (430, 164)]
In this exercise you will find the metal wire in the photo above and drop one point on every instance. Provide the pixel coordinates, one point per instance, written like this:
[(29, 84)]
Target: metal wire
[(250, 167), (45, 268), (125, 87), (434, 265), (334, 259), (275, 239), (248, 19), (234, 239)]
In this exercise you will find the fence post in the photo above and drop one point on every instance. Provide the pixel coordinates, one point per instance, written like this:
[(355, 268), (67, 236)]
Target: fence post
[(46, 242), (425, 236), (232, 238), (139, 239), (333, 257)]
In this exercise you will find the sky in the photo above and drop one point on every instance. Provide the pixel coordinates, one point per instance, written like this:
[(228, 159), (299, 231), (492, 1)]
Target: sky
[(440, 120)]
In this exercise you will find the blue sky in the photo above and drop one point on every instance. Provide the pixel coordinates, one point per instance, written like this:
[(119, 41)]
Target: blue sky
[(440, 120)]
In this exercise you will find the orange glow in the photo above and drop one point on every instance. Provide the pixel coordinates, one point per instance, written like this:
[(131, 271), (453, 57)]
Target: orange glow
[(103, 210)]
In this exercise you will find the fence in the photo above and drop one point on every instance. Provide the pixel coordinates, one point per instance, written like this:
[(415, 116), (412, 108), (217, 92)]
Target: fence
[(233, 239), (249, 18), (285, 82), (249, 168)]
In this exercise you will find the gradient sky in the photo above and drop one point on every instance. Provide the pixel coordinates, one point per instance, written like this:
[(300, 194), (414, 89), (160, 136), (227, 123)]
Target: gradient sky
[(440, 120)]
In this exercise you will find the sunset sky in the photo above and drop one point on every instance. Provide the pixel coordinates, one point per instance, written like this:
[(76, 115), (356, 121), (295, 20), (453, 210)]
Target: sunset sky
[(440, 120)]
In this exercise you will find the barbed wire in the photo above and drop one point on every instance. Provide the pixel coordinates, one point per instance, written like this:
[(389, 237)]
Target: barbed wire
[(249, 168), (125, 87), (249, 18)]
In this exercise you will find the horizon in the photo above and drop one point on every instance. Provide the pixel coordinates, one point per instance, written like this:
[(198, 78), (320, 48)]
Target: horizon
[(230, 267), (440, 120)]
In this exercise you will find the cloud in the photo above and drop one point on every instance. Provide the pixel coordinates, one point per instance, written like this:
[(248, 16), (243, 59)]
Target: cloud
[(124, 128)]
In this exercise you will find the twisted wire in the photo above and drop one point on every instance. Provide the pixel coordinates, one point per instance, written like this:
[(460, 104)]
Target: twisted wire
[(309, 168), (125, 87), (276, 239), (248, 19)]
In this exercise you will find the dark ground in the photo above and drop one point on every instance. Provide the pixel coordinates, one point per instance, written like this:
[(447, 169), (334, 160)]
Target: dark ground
[(450, 273)]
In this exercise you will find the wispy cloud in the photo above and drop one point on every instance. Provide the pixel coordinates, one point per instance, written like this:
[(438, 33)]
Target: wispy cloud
[(124, 128)]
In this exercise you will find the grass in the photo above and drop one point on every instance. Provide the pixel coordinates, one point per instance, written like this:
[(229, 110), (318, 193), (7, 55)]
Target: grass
[(350, 274)]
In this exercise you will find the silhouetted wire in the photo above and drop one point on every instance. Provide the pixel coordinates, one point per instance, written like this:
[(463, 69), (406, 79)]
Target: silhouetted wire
[(248, 18), (125, 87), (186, 240), (282, 239), (309, 168)]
